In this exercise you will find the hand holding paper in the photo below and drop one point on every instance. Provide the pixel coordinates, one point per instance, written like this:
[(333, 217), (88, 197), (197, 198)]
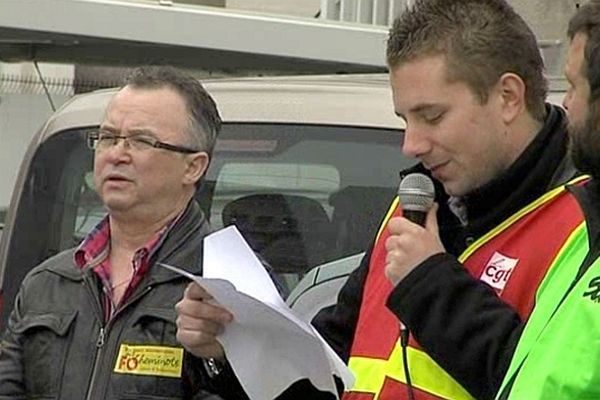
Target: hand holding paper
[(267, 346), (200, 322)]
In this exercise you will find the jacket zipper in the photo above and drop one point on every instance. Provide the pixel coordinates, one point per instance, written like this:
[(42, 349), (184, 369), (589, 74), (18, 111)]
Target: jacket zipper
[(101, 340), (99, 345)]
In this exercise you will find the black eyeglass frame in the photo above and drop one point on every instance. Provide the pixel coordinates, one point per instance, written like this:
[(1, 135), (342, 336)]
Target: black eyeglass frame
[(94, 136)]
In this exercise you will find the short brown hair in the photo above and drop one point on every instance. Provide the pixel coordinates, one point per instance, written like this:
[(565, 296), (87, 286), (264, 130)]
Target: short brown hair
[(481, 40), (587, 21)]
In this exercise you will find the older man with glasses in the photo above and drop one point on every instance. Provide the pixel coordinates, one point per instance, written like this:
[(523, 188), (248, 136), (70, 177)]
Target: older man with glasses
[(98, 321)]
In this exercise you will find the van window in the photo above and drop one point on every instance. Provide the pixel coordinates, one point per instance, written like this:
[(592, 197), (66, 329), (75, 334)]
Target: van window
[(301, 195), (317, 182)]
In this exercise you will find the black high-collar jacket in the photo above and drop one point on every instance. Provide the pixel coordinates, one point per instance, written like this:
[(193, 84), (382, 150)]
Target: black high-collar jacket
[(492, 326)]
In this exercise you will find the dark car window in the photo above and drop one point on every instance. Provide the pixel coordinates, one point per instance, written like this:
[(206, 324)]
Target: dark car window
[(301, 195)]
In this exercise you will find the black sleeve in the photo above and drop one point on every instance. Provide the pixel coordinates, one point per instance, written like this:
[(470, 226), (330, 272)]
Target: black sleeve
[(460, 321), (228, 387), (226, 384), (337, 323)]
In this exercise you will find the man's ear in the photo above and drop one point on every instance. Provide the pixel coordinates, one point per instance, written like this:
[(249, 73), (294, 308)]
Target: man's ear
[(196, 165), (512, 96)]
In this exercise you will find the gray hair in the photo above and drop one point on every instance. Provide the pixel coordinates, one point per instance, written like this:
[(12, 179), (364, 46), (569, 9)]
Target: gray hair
[(204, 119)]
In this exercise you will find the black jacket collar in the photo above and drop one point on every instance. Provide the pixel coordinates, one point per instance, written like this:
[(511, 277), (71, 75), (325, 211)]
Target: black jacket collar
[(183, 246), (532, 174)]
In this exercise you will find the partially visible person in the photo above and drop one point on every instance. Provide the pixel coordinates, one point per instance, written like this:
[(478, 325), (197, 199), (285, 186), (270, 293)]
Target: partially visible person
[(554, 355), (98, 321), (468, 79)]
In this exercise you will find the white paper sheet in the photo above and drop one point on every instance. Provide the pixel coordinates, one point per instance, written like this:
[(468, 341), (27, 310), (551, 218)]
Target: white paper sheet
[(268, 347), (228, 256)]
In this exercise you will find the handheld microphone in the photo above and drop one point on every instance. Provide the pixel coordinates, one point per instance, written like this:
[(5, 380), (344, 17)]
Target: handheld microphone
[(416, 193)]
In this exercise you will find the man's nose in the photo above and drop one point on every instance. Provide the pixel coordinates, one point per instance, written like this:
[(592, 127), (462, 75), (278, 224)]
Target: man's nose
[(415, 143)]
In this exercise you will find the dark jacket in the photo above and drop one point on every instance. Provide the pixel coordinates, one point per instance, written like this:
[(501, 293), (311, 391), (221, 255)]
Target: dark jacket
[(542, 165), (56, 345)]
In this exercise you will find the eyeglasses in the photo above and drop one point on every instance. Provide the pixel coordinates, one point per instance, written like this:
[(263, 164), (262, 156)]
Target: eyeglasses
[(101, 140)]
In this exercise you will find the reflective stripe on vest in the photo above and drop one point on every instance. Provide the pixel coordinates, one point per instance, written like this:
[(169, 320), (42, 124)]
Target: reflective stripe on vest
[(381, 376), (376, 353)]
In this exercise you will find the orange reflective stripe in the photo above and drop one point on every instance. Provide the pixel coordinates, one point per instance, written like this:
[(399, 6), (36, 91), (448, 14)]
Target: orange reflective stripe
[(425, 374)]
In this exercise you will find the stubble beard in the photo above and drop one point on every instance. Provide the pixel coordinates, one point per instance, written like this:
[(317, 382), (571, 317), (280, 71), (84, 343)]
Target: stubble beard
[(584, 144)]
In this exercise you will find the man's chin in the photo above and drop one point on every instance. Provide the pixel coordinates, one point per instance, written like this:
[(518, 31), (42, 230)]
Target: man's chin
[(453, 188), (117, 205)]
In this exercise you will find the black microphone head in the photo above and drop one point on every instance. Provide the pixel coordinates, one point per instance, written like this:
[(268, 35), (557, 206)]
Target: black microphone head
[(416, 192)]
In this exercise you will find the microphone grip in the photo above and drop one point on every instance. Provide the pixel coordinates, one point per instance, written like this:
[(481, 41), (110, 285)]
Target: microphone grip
[(417, 217)]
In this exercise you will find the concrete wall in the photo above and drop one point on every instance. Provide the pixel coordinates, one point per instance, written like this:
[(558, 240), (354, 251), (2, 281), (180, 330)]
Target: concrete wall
[(299, 8), (549, 20)]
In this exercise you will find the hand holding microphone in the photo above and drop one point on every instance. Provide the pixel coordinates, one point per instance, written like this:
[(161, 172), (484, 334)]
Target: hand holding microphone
[(414, 236)]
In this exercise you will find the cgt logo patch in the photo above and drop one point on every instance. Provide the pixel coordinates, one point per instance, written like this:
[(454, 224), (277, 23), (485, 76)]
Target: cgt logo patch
[(150, 360), (498, 270)]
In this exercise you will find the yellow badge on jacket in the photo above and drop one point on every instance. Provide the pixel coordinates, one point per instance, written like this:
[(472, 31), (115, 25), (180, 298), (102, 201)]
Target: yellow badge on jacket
[(150, 360)]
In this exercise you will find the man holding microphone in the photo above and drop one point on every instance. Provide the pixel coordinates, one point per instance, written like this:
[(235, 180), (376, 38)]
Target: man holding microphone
[(478, 338)]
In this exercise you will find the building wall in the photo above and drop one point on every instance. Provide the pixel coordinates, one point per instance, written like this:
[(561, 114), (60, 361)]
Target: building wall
[(299, 8), (549, 20)]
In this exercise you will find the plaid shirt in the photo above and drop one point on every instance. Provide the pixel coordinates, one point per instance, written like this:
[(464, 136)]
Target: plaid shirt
[(93, 253)]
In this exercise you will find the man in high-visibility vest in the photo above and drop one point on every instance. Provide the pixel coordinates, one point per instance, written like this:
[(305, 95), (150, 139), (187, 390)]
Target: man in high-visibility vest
[(556, 354), (467, 78)]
